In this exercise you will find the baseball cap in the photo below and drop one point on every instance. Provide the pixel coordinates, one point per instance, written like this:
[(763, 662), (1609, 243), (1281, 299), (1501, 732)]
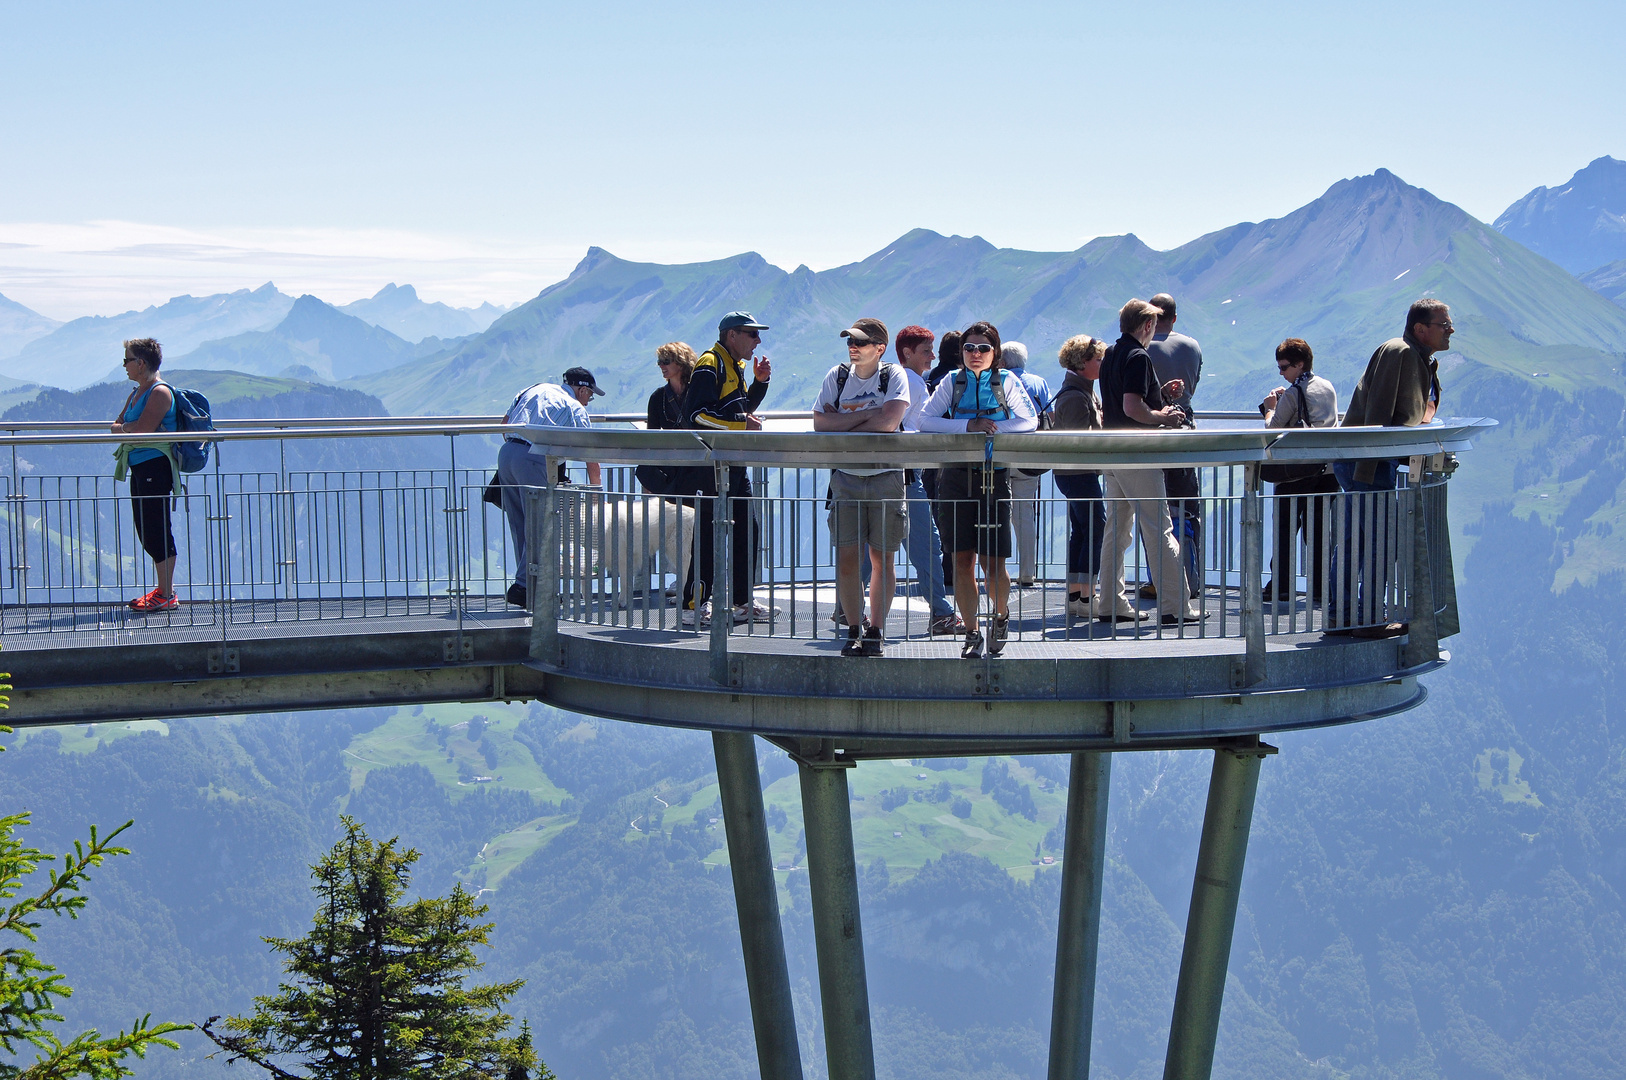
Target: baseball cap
[(580, 376), (739, 320), (866, 332)]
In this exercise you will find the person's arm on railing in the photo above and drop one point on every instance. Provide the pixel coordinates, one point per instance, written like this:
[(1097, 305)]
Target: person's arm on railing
[(1024, 416), (933, 418), (886, 418)]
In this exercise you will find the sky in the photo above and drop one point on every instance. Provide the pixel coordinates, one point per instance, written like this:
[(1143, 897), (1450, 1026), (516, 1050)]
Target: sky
[(477, 150)]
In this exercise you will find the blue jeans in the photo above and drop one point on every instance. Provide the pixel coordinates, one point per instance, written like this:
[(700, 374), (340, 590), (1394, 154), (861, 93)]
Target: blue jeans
[(1086, 524), (925, 550), (1359, 593)]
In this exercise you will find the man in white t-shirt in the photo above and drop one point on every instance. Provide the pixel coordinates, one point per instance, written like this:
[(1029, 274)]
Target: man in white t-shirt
[(866, 505)]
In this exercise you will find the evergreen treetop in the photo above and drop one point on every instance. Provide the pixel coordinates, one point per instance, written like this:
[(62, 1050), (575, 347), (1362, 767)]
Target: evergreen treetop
[(376, 990)]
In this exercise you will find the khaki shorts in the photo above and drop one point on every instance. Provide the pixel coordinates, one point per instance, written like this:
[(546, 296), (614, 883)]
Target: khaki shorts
[(868, 510)]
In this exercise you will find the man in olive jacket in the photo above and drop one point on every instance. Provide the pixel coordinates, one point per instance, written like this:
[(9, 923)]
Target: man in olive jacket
[(1400, 388)]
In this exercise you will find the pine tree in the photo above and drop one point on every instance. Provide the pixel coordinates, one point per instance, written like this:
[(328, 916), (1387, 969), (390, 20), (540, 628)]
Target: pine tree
[(29, 988), (376, 990)]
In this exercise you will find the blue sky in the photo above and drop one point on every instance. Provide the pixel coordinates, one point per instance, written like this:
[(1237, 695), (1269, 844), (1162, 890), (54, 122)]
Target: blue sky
[(478, 149)]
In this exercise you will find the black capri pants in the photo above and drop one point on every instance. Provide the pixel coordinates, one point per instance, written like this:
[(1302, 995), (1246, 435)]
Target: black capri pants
[(151, 485)]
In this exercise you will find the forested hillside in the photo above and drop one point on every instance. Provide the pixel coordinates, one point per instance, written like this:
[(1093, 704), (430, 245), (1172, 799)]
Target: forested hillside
[(1433, 895)]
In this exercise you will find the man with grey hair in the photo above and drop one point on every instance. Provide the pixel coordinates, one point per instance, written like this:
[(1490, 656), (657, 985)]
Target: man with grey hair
[(1013, 357)]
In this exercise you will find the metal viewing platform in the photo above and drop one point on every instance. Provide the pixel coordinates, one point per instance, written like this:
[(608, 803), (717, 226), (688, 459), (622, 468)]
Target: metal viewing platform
[(313, 587)]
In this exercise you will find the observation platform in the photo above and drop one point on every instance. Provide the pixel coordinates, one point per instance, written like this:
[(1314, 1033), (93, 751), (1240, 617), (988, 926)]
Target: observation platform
[(314, 588)]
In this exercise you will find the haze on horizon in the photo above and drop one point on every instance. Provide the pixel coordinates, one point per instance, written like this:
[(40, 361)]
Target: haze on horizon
[(478, 153)]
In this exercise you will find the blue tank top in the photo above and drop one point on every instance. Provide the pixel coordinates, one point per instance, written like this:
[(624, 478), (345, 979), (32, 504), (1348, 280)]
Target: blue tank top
[(133, 413)]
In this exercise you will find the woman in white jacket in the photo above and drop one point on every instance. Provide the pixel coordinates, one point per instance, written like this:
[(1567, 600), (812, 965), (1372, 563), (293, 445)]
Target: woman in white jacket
[(973, 507)]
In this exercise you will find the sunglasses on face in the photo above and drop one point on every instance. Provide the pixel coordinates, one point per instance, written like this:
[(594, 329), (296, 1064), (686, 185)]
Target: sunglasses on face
[(665, 363), (974, 347), (1285, 367)]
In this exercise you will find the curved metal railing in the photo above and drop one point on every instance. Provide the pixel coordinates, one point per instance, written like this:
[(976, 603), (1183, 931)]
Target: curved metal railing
[(277, 544)]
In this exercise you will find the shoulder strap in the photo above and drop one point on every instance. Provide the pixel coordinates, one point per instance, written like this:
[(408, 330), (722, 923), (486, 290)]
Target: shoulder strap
[(886, 378), (842, 371), (1304, 407), (998, 387), (958, 390)]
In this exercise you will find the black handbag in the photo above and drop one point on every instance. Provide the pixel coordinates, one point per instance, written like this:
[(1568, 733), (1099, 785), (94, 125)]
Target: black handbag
[(1284, 473), (493, 492)]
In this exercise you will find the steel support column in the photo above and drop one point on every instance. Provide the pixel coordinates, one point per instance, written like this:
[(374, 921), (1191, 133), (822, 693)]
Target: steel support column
[(1216, 887), (1078, 930), (757, 899), (833, 878)]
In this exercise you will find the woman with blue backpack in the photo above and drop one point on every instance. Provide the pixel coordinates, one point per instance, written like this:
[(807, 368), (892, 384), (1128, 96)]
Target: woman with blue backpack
[(151, 467), (973, 505)]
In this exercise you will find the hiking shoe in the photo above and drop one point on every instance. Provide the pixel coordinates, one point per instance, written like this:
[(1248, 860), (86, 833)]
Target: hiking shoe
[(1148, 591), (973, 645), (517, 596), (947, 625), (1103, 608), (1175, 618), (1080, 607), (872, 642), (156, 601), (999, 632), (854, 645), (753, 612), (701, 618)]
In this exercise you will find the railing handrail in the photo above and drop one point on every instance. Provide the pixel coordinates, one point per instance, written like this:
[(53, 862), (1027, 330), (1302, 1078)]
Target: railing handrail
[(805, 449)]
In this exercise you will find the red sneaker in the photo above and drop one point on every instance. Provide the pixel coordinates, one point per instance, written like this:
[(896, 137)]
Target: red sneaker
[(156, 601)]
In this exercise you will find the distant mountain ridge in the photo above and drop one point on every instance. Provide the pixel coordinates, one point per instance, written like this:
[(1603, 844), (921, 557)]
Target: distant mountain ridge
[(315, 340), (20, 325), (87, 350), (1581, 224), (1339, 271), (398, 309)]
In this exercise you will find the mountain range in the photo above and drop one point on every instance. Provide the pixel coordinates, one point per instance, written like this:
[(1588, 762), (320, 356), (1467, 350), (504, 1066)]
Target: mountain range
[(20, 325), (396, 308), (1581, 224), (35, 349), (1339, 271), (314, 341)]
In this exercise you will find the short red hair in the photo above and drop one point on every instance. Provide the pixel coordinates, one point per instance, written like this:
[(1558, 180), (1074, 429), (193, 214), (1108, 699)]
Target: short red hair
[(911, 336)]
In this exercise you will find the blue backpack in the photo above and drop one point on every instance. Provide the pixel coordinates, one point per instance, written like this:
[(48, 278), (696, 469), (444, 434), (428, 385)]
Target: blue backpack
[(192, 413)]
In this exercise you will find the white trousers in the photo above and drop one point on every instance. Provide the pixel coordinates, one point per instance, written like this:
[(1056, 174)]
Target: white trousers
[(1025, 520), (1137, 496)]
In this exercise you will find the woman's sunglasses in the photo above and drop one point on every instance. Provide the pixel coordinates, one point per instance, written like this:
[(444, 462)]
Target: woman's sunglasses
[(976, 347)]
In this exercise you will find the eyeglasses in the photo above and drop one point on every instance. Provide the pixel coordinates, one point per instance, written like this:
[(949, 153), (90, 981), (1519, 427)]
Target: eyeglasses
[(130, 359), (977, 347), (1446, 325), (754, 335), (665, 363)]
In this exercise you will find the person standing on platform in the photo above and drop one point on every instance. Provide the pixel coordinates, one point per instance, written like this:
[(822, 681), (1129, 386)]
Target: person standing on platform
[(151, 468), (1307, 400), (521, 465), (974, 502), (948, 362), (1025, 485), (866, 505), (1132, 398), (1078, 409), (719, 400), (914, 348), (1176, 356), (1400, 388)]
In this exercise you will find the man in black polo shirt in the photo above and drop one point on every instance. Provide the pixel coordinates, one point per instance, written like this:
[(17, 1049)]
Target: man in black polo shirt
[(1132, 398)]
